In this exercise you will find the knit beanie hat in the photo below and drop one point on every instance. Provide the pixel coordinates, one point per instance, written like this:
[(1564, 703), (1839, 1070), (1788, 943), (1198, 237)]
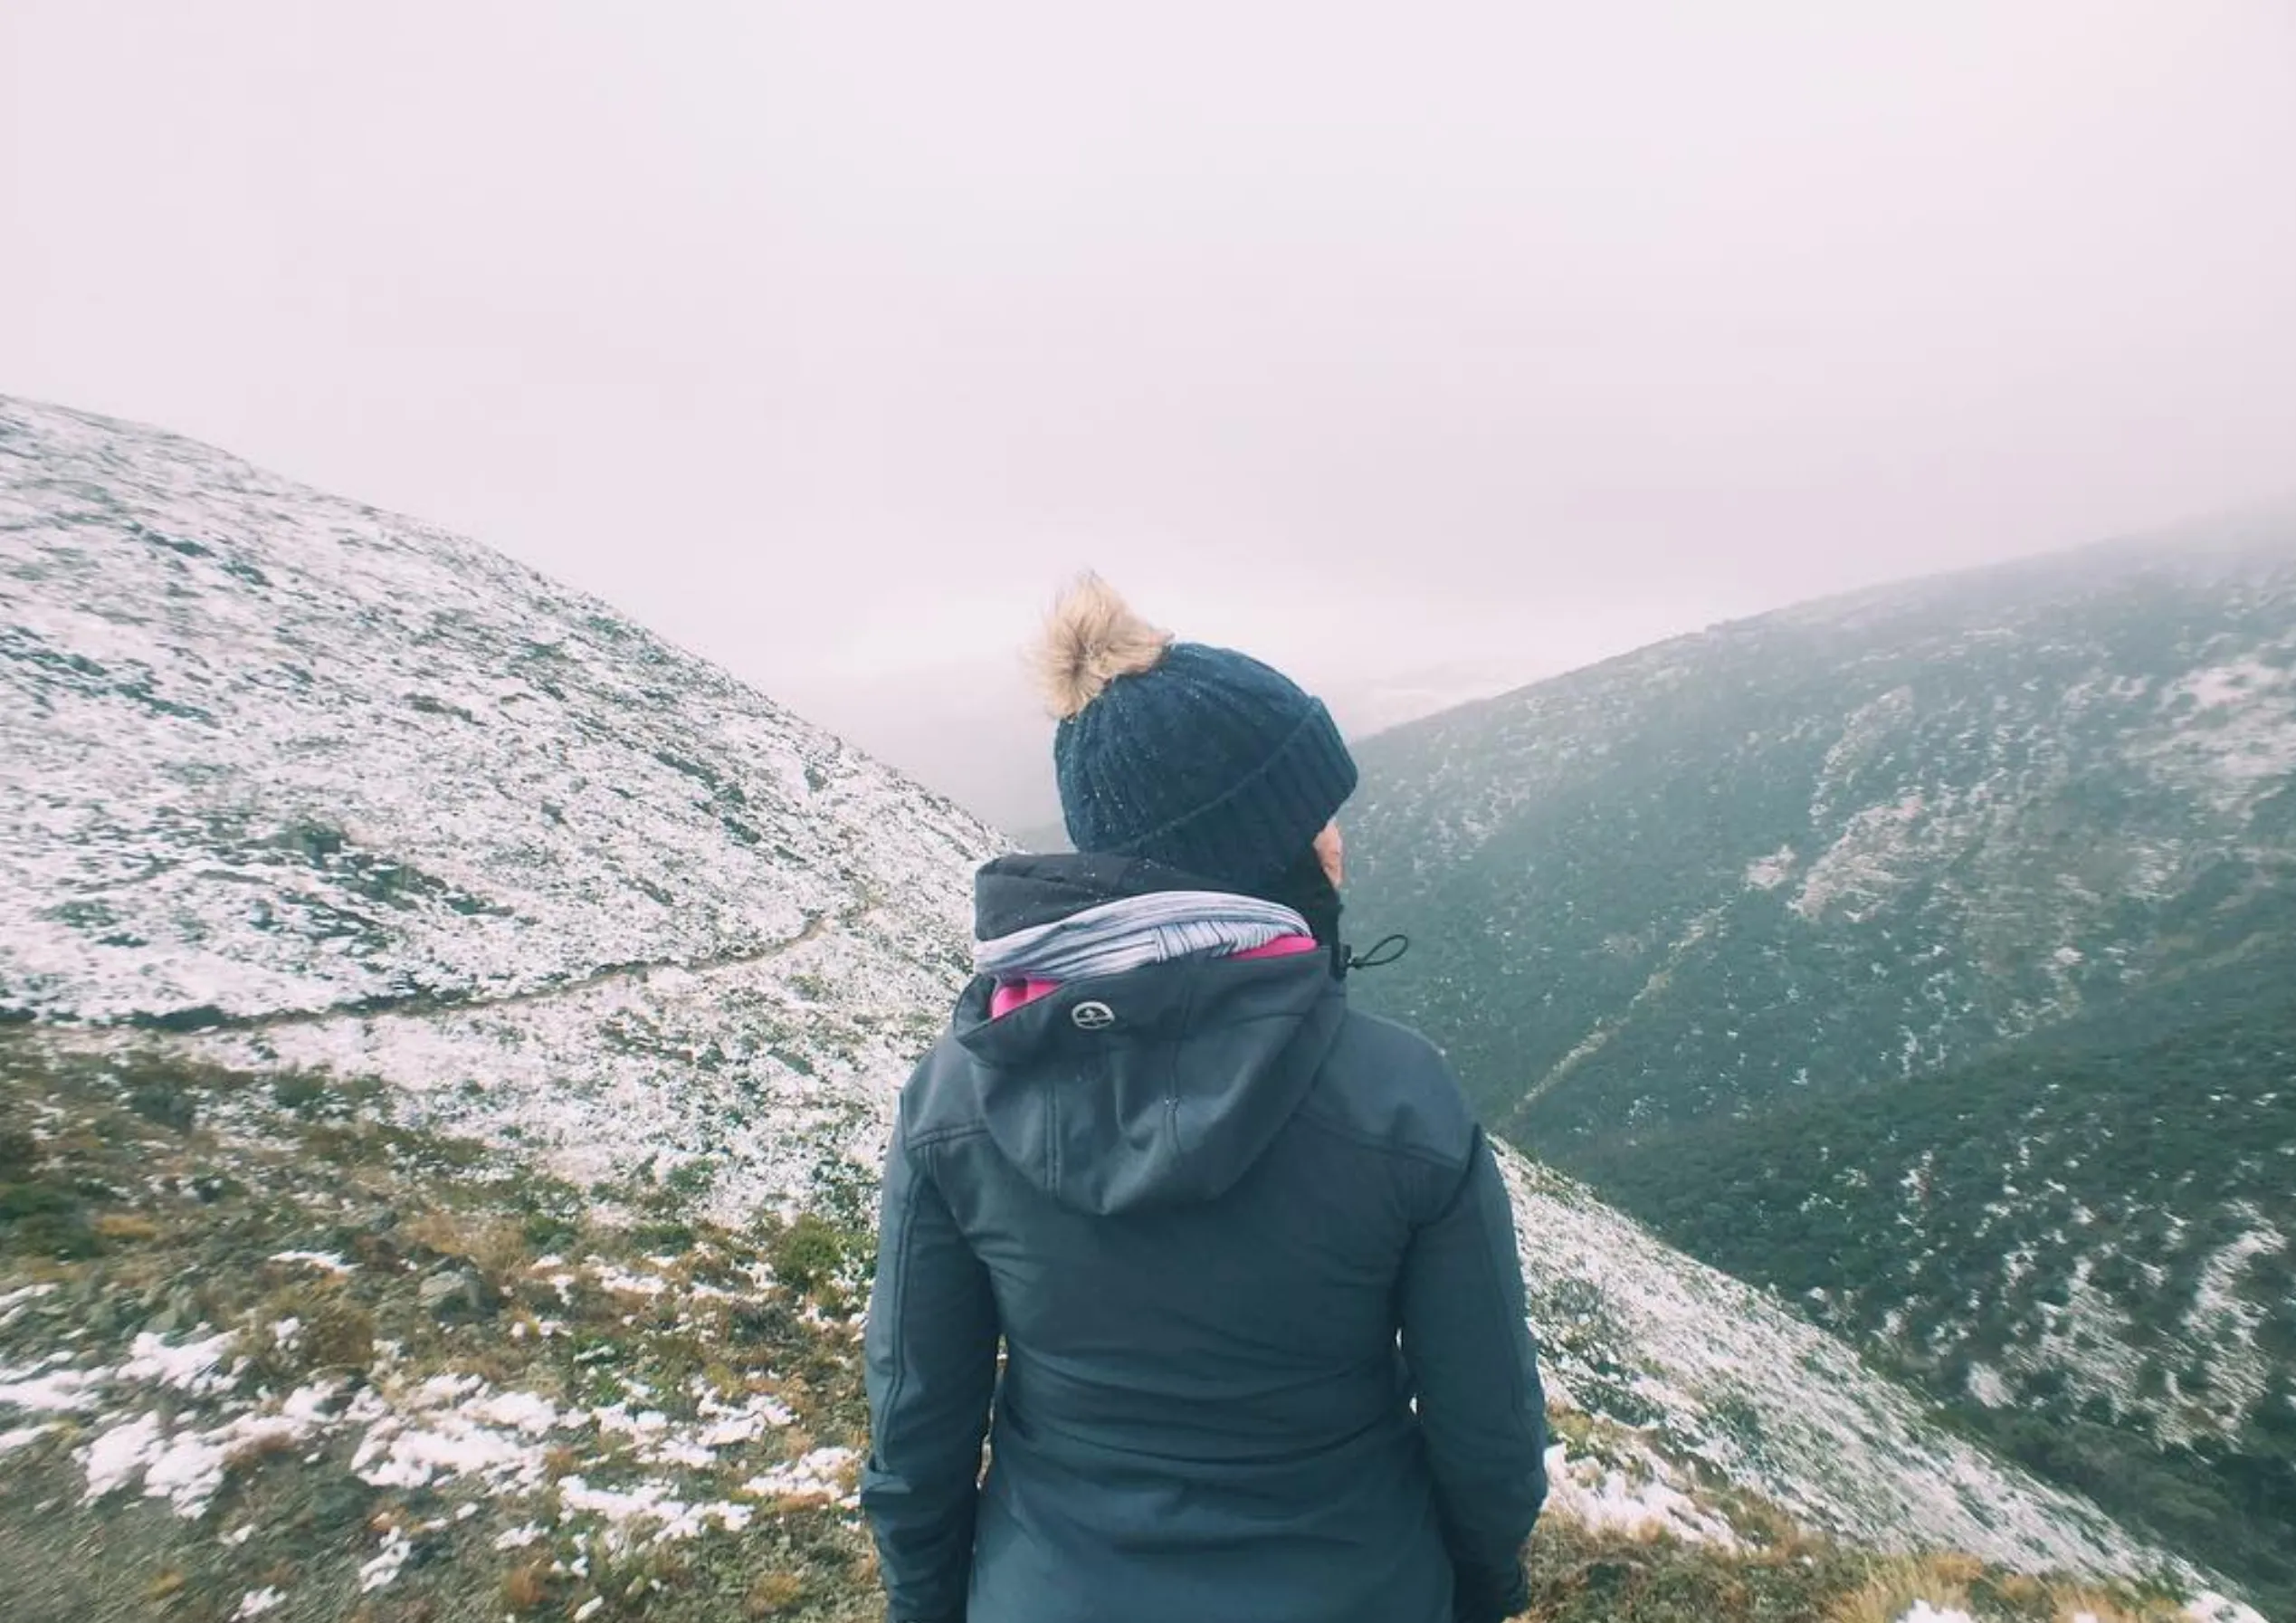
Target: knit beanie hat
[(1198, 758)]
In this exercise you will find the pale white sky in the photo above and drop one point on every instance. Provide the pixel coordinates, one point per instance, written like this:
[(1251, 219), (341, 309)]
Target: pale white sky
[(828, 338)]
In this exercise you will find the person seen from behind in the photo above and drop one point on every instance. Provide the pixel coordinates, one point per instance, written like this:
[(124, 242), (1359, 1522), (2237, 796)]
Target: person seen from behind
[(1245, 1249)]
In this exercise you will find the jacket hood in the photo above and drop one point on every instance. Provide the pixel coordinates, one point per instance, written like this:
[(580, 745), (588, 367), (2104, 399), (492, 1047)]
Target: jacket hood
[(1155, 1087)]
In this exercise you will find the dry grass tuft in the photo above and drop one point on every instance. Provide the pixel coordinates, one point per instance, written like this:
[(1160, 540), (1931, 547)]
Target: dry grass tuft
[(125, 1227), (528, 1588), (773, 1594), (495, 1246)]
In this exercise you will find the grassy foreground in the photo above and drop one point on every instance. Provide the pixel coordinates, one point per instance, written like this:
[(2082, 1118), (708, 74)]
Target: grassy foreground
[(265, 1354)]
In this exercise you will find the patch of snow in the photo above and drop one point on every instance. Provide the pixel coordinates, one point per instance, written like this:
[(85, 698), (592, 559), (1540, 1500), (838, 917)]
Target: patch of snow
[(826, 1474), (189, 1366), (445, 1388), (383, 1571), (650, 1513), (187, 1472), (325, 1261), (519, 1538), (10, 1301), (727, 1425), (1869, 862), (453, 1426), (2224, 1326), (521, 1411), (256, 1602), (612, 1277), (306, 1406), (185, 1467), (61, 1393), (21, 1438), (113, 1459), (1985, 1386), (1603, 1497), (1923, 1612), (2239, 744), (398, 1452), (1768, 872)]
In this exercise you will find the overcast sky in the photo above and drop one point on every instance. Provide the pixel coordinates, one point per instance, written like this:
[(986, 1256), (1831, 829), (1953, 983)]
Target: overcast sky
[(828, 338)]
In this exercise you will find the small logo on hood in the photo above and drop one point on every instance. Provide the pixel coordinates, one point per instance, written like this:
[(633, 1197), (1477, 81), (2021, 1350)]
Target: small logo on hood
[(1092, 1016)]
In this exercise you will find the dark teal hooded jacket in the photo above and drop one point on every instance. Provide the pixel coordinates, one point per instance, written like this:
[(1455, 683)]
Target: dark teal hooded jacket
[(1255, 1280)]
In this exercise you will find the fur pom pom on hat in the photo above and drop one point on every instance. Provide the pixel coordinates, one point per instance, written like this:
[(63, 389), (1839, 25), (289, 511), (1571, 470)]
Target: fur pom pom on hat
[(1091, 639), (1198, 758)]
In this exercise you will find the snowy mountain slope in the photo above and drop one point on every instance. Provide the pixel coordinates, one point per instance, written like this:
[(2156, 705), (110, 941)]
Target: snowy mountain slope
[(342, 791), (2083, 1243), (338, 928), (1771, 933), (1850, 841), (279, 753), (1720, 1374)]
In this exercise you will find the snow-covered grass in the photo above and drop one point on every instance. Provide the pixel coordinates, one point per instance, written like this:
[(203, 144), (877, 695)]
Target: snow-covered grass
[(735, 1071), (681, 1402), (636, 1403), (435, 1432), (1632, 1498), (825, 1476)]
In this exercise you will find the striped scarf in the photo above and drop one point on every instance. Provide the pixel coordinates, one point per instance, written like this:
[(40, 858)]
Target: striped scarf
[(1124, 935)]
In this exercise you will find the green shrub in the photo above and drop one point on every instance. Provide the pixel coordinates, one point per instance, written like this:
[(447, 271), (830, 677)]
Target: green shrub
[(815, 1258)]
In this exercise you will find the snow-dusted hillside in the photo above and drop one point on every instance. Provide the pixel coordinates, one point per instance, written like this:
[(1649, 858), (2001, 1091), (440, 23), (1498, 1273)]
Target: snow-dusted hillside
[(1716, 1372), (1856, 840), (1774, 933), (341, 790), (420, 979), (285, 753)]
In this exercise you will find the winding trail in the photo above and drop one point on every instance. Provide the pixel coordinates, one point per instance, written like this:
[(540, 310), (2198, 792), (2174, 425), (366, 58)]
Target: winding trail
[(210, 1022)]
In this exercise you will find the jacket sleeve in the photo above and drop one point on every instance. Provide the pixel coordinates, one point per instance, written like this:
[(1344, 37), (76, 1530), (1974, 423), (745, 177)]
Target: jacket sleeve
[(1476, 1375), (931, 1372)]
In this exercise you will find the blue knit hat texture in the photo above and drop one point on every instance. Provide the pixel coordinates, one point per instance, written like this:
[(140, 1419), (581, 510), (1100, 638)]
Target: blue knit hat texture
[(1207, 761)]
